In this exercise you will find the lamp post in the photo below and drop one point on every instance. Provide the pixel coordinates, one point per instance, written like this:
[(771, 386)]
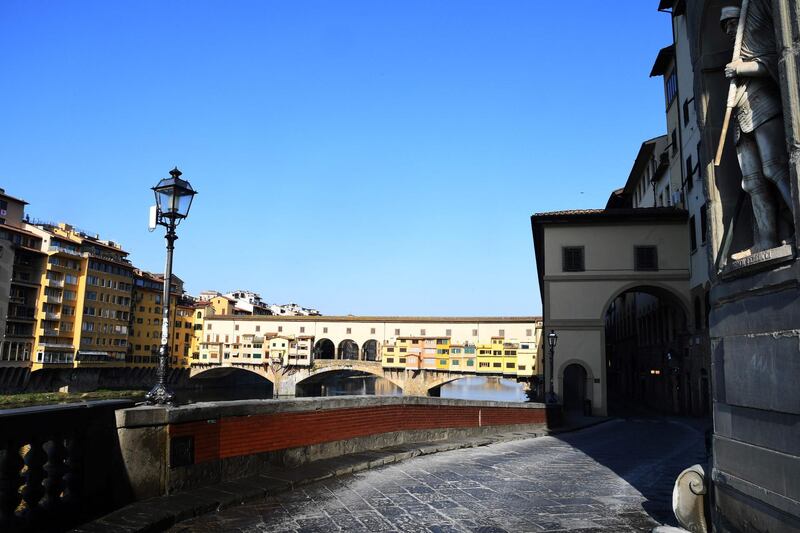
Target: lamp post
[(173, 200), (552, 339)]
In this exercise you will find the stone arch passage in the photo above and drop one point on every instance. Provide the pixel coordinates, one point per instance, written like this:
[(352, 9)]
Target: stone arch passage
[(324, 349), (369, 352), (348, 349), (646, 331)]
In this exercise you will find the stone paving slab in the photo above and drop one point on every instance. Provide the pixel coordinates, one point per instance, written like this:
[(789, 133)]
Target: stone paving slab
[(158, 514), (613, 478)]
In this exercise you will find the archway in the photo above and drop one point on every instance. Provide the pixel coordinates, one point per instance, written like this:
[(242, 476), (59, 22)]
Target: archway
[(348, 349), (646, 340), (359, 380), (575, 387), (227, 383), (324, 349), (369, 352)]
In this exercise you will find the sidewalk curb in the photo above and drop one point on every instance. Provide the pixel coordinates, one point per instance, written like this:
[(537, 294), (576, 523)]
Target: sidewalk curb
[(161, 513)]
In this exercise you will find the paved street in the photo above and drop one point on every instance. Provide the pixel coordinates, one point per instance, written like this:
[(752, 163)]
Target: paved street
[(614, 477)]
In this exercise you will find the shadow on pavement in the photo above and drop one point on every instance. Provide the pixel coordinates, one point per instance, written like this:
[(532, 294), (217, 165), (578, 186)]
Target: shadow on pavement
[(647, 450)]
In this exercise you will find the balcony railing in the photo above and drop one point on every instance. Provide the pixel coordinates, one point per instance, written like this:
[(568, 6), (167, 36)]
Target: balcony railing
[(58, 345), (50, 332), (52, 299), (51, 316), (58, 249), (54, 283)]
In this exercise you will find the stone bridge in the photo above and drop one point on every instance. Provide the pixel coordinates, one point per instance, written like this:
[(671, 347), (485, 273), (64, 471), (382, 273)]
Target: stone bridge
[(286, 379)]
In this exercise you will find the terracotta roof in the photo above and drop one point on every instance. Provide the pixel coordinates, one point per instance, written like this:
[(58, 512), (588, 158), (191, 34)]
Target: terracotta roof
[(627, 212)]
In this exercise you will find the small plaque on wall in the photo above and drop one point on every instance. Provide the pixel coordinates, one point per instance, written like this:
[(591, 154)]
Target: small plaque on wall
[(181, 451)]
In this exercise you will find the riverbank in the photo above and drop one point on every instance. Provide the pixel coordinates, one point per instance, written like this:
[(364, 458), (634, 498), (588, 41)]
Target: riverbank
[(28, 399)]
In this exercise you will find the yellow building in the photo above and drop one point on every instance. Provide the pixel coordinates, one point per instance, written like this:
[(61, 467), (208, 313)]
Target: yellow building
[(85, 300), (146, 317), (391, 356), (510, 350)]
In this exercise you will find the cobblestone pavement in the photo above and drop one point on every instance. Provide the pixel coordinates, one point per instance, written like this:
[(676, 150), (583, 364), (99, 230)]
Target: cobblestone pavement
[(614, 477)]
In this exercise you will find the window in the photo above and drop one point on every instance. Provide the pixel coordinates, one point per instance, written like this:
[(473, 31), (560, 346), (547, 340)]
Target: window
[(572, 259), (397, 332), (390, 359), (703, 223), (671, 87), (474, 332), (510, 365), (349, 331), (674, 138), (324, 330), (280, 328), (422, 332), (302, 329), (372, 331), (501, 333), (497, 365), (528, 332), (236, 327), (692, 234), (258, 328), (689, 173), (208, 326), (686, 112), (645, 258)]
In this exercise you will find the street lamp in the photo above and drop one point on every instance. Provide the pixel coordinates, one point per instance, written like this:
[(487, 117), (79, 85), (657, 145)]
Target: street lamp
[(173, 200), (552, 340)]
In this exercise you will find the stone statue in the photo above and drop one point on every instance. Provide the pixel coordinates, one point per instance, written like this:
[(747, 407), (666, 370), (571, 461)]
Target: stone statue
[(760, 138)]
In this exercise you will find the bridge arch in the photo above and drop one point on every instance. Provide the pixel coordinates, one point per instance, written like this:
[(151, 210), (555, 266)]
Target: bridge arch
[(217, 371), (371, 368), (348, 350), (369, 351), (324, 349)]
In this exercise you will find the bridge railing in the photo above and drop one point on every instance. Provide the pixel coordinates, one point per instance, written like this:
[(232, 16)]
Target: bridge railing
[(60, 465)]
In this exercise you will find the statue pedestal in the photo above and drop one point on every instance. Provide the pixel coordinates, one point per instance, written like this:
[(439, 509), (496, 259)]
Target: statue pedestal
[(755, 352), (758, 261)]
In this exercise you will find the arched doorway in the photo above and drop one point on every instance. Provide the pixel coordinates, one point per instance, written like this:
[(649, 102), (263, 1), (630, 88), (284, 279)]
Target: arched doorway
[(324, 349), (575, 387), (646, 339), (348, 349), (369, 351)]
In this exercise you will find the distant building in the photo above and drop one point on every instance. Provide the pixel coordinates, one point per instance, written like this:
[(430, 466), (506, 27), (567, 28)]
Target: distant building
[(85, 299), (249, 302), (21, 266), (292, 309)]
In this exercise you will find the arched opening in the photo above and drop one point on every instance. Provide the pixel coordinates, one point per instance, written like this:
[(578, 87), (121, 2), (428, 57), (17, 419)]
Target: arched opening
[(346, 383), (348, 349), (369, 352), (324, 349), (575, 388), (226, 383), (646, 347)]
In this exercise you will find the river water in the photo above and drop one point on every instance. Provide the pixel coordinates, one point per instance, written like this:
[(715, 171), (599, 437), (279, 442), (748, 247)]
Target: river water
[(468, 388)]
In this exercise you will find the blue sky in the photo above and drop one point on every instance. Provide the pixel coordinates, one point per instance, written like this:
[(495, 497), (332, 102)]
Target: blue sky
[(358, 157)]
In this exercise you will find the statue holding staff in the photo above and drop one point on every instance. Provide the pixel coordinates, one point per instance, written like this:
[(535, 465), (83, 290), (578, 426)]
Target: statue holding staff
[(759, 136)]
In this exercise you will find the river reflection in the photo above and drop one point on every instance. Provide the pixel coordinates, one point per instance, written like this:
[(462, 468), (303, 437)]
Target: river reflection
[(485, 388), (467, 388)]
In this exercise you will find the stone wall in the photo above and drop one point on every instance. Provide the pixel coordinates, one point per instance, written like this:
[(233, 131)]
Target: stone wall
[(171, 449)]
